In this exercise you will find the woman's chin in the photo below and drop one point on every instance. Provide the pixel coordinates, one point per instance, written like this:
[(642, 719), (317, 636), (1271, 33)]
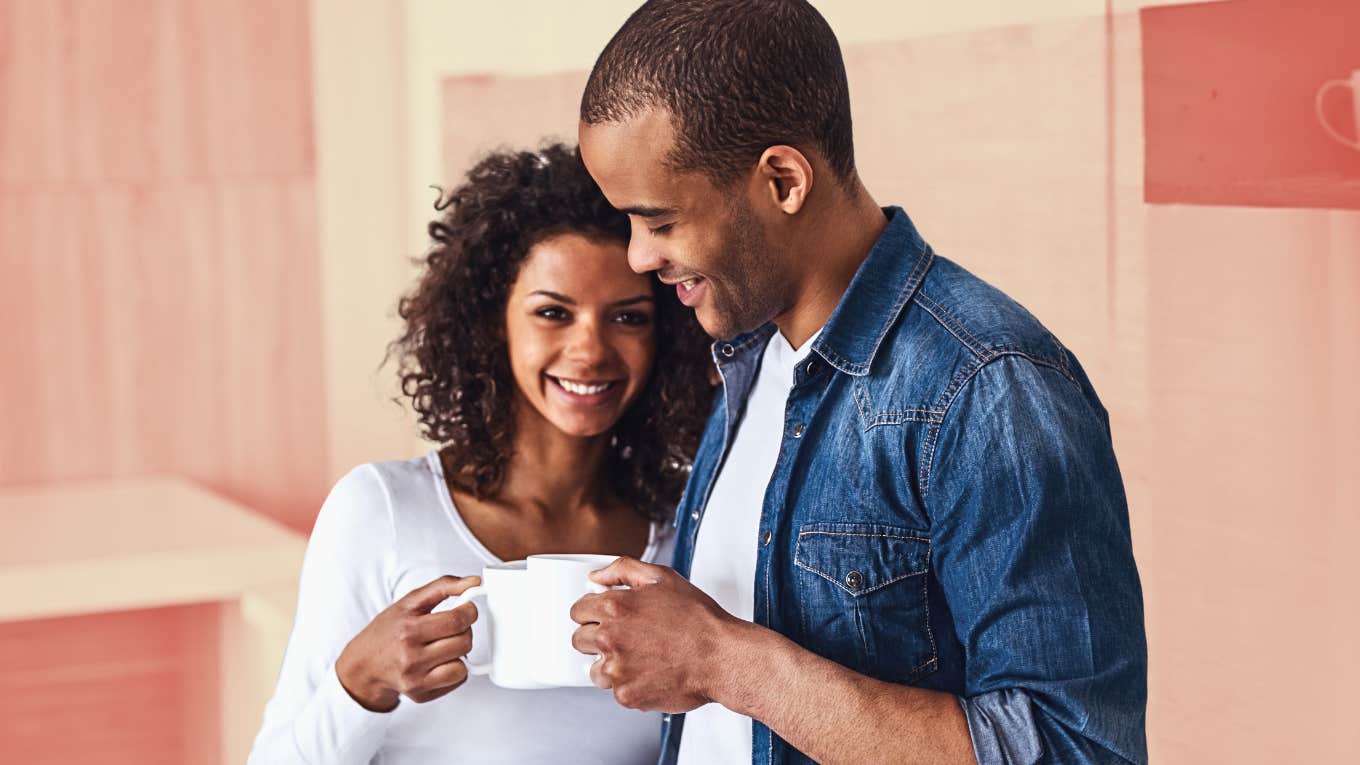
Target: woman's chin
[(584, 427)]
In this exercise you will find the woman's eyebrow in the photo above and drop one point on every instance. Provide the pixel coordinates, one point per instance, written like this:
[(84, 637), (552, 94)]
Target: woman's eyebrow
[(554, 296), (564, 299)]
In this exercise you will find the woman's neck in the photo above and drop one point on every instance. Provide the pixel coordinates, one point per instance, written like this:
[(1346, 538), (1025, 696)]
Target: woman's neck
[(552, 472)]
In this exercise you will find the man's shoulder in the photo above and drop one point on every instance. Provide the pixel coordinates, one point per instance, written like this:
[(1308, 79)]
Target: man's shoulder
[(964, 317)]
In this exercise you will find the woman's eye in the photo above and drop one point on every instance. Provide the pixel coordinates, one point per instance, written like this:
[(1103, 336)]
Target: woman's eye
[(633, 318), (662, 229), (551, 312)]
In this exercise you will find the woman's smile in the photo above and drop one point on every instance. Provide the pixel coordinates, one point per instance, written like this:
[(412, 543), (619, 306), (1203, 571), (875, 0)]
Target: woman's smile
[(578, 392)]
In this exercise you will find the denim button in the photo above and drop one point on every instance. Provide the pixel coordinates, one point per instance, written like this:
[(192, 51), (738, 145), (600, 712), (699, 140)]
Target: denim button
[(728, 350), (854, 579), (765, 538), (798, 430), (812, 367), (694, 516)]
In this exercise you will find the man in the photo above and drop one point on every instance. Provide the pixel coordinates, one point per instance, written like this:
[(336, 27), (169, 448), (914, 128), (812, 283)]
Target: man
[(905, 533)]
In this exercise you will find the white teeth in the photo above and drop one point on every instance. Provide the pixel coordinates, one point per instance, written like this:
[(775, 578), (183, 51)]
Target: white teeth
[(689, 283), (582, 389)]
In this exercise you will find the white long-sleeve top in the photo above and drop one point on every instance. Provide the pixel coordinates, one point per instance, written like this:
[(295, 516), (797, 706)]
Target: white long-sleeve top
[(386, 529)]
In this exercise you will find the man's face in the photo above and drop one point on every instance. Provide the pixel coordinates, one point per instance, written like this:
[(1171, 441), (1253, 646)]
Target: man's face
[(711, 243)]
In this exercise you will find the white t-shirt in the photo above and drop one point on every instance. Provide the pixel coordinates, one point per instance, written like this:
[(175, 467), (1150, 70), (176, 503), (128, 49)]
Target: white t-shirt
[(724, 564), (386, 529)]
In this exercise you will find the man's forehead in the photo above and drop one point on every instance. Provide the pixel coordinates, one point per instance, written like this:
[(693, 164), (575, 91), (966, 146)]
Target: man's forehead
[(629, 161)]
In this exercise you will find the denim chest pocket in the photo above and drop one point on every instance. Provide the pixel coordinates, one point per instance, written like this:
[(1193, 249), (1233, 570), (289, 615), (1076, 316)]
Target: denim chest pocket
[(864, 600)]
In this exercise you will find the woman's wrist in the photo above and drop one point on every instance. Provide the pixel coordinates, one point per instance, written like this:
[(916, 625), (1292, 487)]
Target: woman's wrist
[(366, 692)]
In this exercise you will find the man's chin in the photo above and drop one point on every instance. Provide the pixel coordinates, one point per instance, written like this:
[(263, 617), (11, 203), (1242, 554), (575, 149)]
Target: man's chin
[(721, 326)]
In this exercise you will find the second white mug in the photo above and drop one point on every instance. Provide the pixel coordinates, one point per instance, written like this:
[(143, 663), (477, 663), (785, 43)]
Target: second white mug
[(559, 581)]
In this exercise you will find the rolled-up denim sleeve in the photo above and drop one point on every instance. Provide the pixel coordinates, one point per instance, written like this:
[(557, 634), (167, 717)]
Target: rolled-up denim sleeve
[(1031, 545)]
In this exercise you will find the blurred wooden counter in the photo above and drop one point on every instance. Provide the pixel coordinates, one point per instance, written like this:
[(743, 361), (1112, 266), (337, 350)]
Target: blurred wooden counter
[(79, 550)]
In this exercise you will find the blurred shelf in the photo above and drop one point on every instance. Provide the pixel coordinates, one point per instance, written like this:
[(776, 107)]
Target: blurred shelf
[(140, 543)]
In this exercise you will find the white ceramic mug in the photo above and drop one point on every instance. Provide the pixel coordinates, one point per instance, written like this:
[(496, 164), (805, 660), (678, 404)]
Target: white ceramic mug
[(559, 581), (509, 620), (1353, 85), (528, 620)]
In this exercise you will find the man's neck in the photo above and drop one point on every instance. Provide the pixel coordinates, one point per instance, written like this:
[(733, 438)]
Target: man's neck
[(835, 242)]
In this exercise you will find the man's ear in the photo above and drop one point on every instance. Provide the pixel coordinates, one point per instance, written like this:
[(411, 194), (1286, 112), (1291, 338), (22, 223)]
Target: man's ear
[(786, 175)]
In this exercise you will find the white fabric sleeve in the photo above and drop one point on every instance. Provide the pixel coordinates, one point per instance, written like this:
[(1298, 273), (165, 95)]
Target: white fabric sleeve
[(311, 718)]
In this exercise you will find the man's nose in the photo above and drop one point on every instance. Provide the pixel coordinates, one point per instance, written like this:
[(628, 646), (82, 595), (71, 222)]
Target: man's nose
[(643, 257)]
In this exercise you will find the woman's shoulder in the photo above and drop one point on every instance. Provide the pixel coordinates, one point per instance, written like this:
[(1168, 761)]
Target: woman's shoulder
[(372, 493)]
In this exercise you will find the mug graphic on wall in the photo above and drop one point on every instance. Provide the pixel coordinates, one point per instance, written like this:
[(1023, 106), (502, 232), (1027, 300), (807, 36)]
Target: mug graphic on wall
[(1353, 85)]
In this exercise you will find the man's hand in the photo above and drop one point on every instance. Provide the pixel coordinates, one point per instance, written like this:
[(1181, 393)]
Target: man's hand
[(659, 641)]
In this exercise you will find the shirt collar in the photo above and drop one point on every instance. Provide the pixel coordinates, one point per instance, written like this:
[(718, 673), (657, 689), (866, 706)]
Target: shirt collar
[(882, 285)]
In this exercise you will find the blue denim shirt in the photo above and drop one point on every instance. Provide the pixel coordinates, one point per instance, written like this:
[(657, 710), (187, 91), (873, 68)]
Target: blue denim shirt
[(945, 512)]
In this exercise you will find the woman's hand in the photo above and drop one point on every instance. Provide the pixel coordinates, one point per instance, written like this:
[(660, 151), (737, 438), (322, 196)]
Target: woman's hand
[(406, 650)]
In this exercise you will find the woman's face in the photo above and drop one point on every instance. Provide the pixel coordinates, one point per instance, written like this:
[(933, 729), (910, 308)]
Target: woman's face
[(580, 327)]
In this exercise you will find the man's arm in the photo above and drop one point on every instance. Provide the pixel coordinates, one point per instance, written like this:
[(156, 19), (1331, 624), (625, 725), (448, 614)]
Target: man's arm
[(1030, 542), (666, 646), (833, 714)]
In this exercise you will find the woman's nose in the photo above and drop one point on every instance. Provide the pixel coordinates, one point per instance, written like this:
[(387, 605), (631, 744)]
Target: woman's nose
[(588, 342)]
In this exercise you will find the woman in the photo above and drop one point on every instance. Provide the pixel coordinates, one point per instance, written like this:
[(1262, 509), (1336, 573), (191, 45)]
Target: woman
[(567, 394)]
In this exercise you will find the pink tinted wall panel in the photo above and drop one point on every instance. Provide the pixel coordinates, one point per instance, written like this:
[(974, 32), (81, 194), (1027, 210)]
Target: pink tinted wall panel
[(159, 313), (104, 91), (1230, 92), (482, 113), (157, 230)]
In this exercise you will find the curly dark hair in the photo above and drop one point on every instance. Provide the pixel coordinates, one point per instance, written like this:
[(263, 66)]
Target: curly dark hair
[(453, 362)]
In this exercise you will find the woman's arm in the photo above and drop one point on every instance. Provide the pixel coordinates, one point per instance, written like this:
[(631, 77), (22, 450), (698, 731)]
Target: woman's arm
[(311, 718)]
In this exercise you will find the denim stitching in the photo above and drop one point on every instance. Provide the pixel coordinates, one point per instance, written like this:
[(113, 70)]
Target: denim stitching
[(802, 534), (797, 555), (953, 325), (906, 415), (930, 631), (862, 403), (909, 288), (842, 363), (837, 582)]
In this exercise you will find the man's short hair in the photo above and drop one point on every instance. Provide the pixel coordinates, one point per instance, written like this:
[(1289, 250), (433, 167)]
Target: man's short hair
[(737, 76)]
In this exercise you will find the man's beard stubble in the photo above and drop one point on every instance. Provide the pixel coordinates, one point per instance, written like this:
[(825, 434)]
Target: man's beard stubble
[(751, 277)]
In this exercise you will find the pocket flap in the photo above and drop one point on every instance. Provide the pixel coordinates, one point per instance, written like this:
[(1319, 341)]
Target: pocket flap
[(860, 557)]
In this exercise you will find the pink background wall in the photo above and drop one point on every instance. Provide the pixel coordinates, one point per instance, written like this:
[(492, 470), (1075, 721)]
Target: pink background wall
[(164, 302), (158, 314), (158, 245)]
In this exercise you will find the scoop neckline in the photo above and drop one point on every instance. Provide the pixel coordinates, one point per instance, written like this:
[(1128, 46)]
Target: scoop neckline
[(441, 489)]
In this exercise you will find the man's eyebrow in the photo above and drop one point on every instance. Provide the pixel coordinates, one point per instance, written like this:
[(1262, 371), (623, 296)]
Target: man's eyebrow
[(643, 211)]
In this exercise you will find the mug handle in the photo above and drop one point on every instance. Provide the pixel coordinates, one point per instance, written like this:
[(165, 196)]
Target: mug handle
[(473, 668), (1322, 116)]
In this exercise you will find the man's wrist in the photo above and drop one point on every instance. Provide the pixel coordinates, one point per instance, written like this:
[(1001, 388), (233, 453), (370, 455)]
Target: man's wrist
[(743, 657)]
